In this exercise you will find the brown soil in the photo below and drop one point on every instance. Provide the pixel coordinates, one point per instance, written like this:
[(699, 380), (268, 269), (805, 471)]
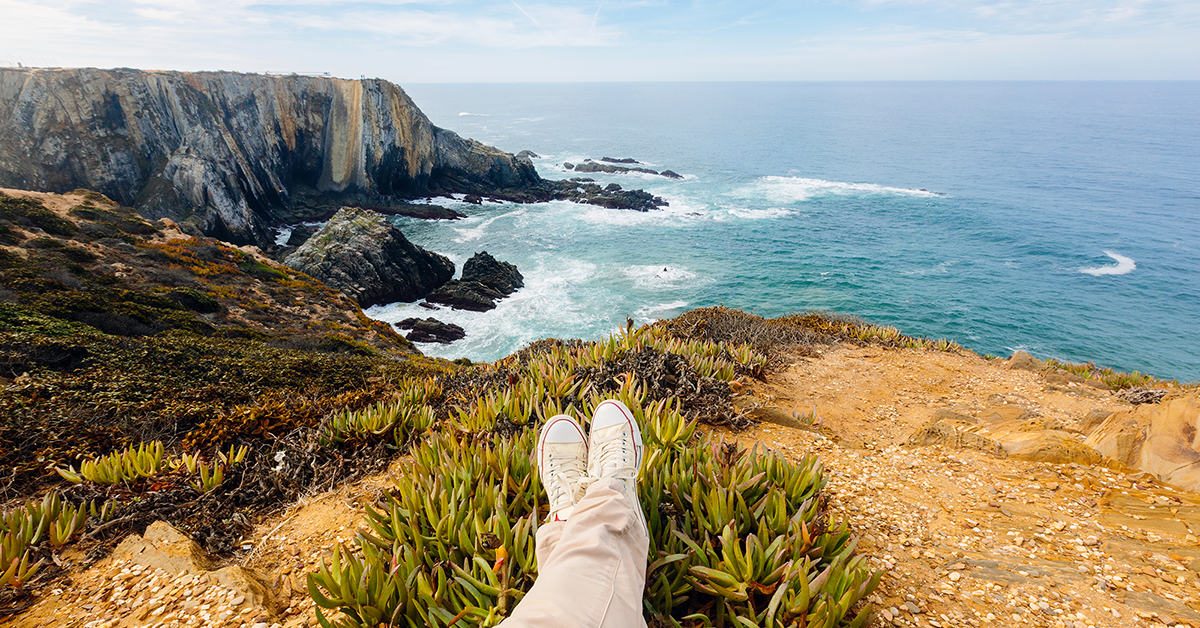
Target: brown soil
[(968, 538)]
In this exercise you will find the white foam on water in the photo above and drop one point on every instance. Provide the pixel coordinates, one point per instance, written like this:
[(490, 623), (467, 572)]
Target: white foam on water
[(474, 233), (478, 115), (778, 189), (555, 302), (658, 277), (454, 200), (761, 214), (651, 313), (282, 234), (1124, 266)]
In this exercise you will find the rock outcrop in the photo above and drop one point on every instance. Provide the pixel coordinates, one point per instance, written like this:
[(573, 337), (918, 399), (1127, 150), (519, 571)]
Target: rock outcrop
[(593, 166), (484, 281), (362, 254), (1156, 438), (431, 330), (232, 153)]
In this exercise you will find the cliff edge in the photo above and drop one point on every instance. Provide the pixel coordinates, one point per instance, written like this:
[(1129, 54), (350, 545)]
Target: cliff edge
[(231, 153)]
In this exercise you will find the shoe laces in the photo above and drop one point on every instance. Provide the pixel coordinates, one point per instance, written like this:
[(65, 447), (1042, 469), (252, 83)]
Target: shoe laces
[(564, 472), (616, 458)]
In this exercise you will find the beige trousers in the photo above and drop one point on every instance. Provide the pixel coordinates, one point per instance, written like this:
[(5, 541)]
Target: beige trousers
[(591, 567)]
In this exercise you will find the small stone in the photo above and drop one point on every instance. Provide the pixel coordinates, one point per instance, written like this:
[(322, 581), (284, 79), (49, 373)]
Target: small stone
[(1052, 486), (954, 576), (237, 601), (912, 607), (261, 624)]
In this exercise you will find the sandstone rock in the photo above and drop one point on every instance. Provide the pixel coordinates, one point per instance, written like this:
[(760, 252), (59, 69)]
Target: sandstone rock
[(484, 280), (163, 547), (1156, 438), (362, 254), (1051, 446), (227, 152), (1092, 420), (955, 434), (1025, 362)]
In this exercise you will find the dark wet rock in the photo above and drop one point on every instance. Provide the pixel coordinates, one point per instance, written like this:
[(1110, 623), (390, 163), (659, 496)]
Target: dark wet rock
[(431, 330), (473, 199), (592, 166), (362, 254), (625, 160), (300, 234), (527, 156), (612, 187), (485, 269), (429, 306), (484, 280), (671, 174), (583, 191)]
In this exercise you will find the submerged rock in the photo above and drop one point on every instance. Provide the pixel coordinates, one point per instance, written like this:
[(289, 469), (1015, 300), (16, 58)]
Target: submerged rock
[(362, 254), (484, 280)]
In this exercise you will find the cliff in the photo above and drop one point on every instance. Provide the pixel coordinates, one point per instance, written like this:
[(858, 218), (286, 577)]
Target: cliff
[(231, 154)]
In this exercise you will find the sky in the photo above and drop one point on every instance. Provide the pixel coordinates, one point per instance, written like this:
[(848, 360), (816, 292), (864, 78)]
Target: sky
[(452, 41)]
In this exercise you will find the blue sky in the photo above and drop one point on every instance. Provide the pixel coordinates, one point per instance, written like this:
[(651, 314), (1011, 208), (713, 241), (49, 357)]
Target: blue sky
[(636, 40)]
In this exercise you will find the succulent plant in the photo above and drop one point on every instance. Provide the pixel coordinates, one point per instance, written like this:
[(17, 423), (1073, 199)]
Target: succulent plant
[(739, 532)]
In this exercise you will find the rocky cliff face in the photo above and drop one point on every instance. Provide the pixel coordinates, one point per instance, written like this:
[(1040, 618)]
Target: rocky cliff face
[(233, 153)]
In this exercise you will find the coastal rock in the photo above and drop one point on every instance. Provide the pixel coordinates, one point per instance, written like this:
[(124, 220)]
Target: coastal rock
[(527, 157), (431, 330), (671, 174), (1156, 438), (624, 160), (229, 153), (362, 254), (591, 166), (300, 234), (484, 280)]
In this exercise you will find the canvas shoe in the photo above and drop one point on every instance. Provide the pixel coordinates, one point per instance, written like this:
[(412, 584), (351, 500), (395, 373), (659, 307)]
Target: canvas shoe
[(615, 449), (561, 460)]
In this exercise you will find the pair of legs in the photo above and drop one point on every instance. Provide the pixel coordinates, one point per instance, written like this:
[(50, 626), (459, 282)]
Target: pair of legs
[(591, 553)]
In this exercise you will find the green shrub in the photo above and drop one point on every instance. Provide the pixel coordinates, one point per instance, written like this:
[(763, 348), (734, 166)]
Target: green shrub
[(30, 212)]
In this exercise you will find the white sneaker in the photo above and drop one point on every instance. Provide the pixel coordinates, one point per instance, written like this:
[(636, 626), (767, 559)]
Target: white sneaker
[(615, 449), (561, 458)]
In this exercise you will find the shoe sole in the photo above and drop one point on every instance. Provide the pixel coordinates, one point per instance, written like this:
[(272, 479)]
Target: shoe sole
[(639, 447), (541, 446)]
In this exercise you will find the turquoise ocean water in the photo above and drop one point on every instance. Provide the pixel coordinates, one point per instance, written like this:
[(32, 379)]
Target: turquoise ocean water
[(1060, 218)]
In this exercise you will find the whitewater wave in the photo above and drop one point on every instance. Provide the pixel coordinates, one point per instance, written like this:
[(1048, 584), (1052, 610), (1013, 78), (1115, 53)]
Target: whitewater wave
[(474, 233), (553, 303), (1124, 266), (478, 115), (761, 214), (779, 189)]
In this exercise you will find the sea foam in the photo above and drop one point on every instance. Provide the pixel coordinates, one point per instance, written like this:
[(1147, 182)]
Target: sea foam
[(778, 189), (1123, 266)]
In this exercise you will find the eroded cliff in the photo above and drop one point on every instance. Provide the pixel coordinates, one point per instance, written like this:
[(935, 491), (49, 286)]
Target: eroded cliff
[(233, 153)]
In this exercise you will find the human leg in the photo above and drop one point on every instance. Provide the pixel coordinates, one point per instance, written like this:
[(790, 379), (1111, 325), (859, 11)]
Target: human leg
[(592, 567)]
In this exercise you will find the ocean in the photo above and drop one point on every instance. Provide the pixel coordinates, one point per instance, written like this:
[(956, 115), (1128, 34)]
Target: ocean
[(1060, 218)]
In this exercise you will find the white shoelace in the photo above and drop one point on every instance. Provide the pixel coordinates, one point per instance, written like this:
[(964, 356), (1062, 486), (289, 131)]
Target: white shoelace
[(617, 459), (565, 472)]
